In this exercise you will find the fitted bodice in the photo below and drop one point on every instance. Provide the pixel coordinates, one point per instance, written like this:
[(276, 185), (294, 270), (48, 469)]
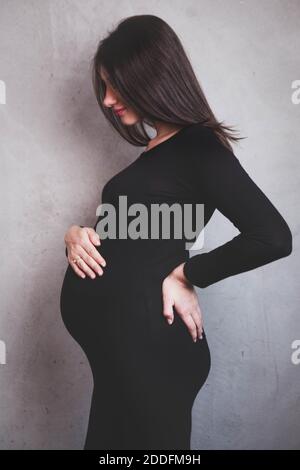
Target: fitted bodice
[(154, 183)]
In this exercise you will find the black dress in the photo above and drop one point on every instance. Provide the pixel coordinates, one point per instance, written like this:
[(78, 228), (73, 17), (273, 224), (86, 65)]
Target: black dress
[(146, 372)]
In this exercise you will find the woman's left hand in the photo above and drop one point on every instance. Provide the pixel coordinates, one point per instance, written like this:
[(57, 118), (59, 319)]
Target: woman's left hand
[(178, 292)]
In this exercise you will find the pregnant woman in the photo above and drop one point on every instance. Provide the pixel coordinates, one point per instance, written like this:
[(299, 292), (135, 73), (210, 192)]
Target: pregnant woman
[(130, 302)]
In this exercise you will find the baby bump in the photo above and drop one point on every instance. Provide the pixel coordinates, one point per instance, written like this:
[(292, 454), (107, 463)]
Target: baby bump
[(105, 315), (119, 317)]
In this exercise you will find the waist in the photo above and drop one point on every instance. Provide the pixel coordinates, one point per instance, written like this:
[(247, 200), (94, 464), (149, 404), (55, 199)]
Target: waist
[(150, 258)]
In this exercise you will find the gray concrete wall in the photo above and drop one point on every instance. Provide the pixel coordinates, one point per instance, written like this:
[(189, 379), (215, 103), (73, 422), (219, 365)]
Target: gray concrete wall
[(57, 152)]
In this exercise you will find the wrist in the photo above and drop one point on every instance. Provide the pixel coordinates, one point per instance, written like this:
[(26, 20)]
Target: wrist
[(178, 274)]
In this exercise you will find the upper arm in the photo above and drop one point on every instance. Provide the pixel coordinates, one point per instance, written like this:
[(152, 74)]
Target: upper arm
[(223, 182)]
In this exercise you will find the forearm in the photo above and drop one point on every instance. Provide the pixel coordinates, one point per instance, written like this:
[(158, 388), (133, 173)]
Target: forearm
[(242, 253)]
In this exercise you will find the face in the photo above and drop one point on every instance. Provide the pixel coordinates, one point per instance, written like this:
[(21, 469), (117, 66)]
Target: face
[(113, 100)]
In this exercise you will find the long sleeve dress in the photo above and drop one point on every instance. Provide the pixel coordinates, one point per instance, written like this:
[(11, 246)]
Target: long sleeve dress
[(146, 372)]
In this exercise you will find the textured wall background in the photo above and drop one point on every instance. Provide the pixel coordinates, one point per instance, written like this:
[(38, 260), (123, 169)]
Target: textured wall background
[(57, 152)]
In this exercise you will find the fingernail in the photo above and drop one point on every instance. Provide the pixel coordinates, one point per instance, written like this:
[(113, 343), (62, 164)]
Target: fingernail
[(195, 339), (169, 321)]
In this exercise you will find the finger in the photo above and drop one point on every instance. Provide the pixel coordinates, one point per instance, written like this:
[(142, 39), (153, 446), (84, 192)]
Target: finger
[(91, 256), (168, 309), (76, 269), (90, 262), (94, 254), (94, 236), (197, 317), (81, 264), (190, 323)]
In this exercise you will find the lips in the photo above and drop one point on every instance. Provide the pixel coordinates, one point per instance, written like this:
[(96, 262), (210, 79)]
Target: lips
[(120, 111)]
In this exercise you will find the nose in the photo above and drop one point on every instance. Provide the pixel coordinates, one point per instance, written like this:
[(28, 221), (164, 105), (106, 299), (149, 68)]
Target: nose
[(110, 98)]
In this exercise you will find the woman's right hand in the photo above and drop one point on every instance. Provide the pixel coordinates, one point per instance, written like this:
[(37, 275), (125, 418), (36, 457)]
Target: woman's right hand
[(80, 243)]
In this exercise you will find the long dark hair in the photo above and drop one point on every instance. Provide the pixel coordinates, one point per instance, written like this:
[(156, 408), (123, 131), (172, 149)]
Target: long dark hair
[(146, 62)]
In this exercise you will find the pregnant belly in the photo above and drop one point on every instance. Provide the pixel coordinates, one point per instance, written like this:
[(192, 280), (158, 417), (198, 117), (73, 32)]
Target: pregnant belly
[(89, 306), (134, 272), (119, 316), (129, 266)]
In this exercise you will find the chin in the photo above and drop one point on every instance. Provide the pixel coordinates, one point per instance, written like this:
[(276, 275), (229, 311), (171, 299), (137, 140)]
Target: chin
[(129, 120)]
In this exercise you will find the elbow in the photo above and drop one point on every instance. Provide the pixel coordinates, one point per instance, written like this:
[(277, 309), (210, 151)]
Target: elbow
[(282, 243)]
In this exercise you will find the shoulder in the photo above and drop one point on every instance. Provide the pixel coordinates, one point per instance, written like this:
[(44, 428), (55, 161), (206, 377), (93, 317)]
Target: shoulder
[(203, 147)]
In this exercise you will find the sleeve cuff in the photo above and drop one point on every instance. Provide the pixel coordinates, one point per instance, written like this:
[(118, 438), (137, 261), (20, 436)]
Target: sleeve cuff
[(192, 272), (187, 271)]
